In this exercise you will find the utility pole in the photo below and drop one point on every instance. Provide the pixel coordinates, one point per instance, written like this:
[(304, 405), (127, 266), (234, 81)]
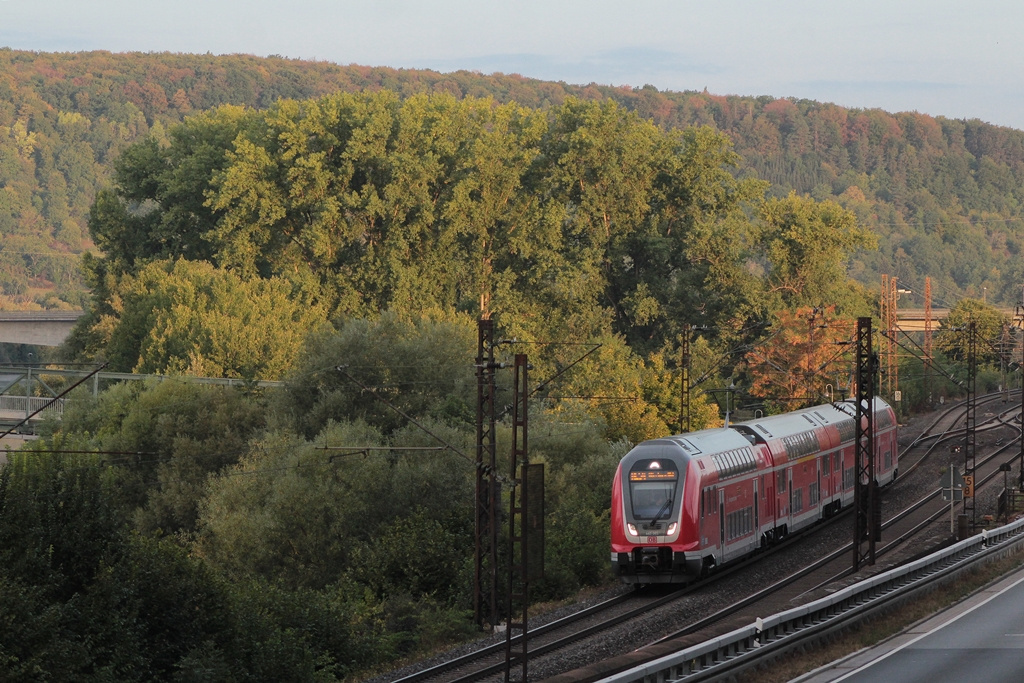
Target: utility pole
[(485, 586), (865, 497), (526, 526), (808, 389), (887, 308), (928, 336), (684, 404), (1004, 355), (894, 363), (969, 429), (884, 311), (1018, 318)]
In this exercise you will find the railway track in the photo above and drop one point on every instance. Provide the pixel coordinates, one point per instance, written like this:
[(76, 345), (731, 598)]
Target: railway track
[(922, 517), (714, 606), (555, 635)]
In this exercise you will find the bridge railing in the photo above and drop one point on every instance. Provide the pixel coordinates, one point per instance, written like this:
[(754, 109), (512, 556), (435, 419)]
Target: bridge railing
[(27, 405), (23, 379)]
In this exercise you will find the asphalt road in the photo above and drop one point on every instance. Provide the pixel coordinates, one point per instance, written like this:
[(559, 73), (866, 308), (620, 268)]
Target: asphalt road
[(978, 639)]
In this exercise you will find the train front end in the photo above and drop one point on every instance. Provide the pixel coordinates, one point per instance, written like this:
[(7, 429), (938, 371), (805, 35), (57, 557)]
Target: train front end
[(652, 524)]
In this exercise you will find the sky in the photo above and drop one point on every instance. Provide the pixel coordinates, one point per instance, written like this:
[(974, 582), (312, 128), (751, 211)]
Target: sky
[(953, 59)]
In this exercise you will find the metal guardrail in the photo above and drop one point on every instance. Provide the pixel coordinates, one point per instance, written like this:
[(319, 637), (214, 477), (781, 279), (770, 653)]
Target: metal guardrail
[(773, 635)]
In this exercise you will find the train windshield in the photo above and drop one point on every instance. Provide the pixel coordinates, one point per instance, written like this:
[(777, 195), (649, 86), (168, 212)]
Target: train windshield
[(652, 488)]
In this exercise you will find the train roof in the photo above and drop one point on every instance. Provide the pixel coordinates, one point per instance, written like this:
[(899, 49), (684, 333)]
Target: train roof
[(741, 435), (799, 421), (693, 444)]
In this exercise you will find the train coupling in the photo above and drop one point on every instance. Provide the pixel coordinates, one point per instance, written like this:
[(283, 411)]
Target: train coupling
[(650, 558)]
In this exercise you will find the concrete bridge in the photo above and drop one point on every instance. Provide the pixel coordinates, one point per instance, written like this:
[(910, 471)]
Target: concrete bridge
[(911, 319), (40, 328)]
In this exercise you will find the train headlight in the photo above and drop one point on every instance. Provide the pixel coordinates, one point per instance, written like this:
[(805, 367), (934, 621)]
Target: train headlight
[(671, 528), (632, 529)]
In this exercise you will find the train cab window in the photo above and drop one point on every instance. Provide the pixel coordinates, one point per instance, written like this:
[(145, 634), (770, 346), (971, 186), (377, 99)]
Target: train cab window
[(652, 488)]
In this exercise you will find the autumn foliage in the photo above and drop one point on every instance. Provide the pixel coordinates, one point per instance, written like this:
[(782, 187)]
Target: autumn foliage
[(805, 360)]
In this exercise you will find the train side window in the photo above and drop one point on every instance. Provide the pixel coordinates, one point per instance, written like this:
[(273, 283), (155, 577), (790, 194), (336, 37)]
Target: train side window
[(782, 481), (824, 464)]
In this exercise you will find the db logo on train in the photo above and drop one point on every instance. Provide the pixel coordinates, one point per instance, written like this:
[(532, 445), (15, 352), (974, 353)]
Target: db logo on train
[(652, 539)]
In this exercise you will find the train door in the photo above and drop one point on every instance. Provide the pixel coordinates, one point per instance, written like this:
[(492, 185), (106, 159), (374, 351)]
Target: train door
[(887, 458), (757, 516), (817, 488), (721, 519), (781, 509), (789, 485), (830, 475), (823, 479)]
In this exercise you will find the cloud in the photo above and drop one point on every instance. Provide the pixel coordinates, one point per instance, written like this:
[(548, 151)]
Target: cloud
[(880, 86), (627, 65)]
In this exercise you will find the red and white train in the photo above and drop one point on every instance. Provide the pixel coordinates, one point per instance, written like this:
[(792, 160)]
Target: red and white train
[(684, 505)]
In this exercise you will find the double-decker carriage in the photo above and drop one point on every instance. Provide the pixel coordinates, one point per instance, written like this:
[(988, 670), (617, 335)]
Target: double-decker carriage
[(684, 505)]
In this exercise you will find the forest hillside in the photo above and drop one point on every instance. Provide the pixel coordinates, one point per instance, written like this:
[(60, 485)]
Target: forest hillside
[(941, 195)]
